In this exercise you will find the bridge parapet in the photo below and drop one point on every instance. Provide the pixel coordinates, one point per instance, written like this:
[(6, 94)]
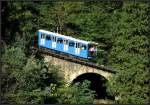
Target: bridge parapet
[(72, 70)]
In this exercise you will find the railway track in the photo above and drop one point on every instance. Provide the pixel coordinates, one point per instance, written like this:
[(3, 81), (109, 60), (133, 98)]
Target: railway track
[(70, 58)]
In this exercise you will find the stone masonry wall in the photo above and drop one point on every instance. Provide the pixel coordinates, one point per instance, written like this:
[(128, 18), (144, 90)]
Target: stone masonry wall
[(72, 70)]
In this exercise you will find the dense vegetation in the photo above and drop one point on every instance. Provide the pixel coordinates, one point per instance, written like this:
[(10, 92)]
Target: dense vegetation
[(120, 28)]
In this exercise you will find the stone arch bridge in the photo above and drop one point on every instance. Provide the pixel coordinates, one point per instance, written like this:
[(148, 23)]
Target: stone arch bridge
[(72, 70)]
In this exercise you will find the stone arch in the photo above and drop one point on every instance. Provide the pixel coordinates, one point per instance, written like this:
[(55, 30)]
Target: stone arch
[(88, 73), (72, 70), (97, 83), (74, 75)]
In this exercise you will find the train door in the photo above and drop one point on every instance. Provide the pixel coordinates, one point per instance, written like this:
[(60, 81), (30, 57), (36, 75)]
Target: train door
[(54, 42), (42, 39), (77, 49), (48, 41), (65, 45)]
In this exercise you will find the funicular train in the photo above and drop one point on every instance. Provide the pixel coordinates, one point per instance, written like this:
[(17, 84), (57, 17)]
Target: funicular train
[(66, 44)]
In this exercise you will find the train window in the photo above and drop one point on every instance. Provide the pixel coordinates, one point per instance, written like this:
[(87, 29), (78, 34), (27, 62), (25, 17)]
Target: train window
[(83, 47), (54, 38), (60, 40), (48, 37), (65, 41), (77, 45), (42, 36), (71, 44)]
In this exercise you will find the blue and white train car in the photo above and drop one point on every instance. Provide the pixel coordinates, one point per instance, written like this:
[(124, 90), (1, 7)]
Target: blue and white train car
[(66, 44)]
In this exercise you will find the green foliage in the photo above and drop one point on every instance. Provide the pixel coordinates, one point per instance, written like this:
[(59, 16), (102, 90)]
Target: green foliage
[(76, 94), (129, 56), (14, 56), (27, 80), (56, 75), (120, 28), (11, 58)]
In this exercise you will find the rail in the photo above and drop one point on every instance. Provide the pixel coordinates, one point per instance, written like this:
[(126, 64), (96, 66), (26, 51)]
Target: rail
[(72, 59)]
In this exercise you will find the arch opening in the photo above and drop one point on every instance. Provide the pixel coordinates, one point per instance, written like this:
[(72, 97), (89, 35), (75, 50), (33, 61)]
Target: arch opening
[(97, 84)]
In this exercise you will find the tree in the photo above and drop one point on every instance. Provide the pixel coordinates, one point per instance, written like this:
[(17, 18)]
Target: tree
[(129, 55), (76, 94), (120, 28), (24, 75)]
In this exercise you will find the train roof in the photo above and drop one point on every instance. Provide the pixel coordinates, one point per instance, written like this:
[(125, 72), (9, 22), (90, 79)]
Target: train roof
[(66, 37)]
